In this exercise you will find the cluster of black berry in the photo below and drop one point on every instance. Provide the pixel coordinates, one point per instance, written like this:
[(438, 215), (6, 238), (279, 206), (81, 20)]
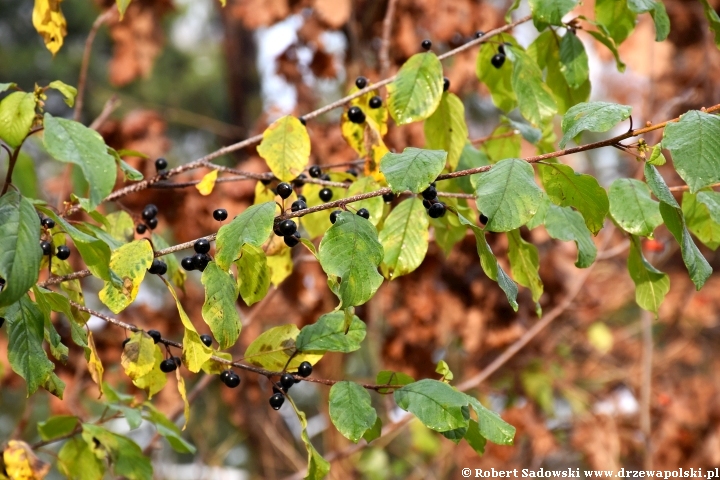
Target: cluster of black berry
[(149, 216), (62, 252), (434, 207), (201, 258)]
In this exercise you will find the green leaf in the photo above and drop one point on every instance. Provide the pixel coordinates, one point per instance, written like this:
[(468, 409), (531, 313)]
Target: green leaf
[(474, 438), (539, 217), (702, 214), (416, 91), (7, 86), (351, 251), (25, 347), (603, 38), (318, 223), (490, 425), (525, 264), (374, 205), (272, 350), (446, 129), (651, 285), (490, 265), (404, 238), (574, 60), (57, 426), (616, 17), (471, 157), (656, 157), (563, 223), (318, 467), (436, 404), (535, 99), (253, 226), (20, 252), (444, 370), (501, 145), (528, 132), (497, 80), (125, 456), (713, 19), (694, 143), (17, 113), (456, 435), (568, 188), (658, 13), (329, 334), (658, 186), (413, 169), (72, 142), (77, 461), (508, 195), (550, 12), (632, 207), (253, 275), (67, 91), (130, 262), (195, 352), (374, 432), (169, 430), (120, 226), (285, 147), (592, 117), (351, 410), (219, 310)]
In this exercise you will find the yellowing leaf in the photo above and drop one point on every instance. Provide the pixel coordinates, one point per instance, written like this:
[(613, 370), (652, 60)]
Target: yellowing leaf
[(153, 381), (600, 337), (206, 185), (95, 366), (50, 23), (22, 464), (280, 265), (129, 262), (273, 349), (195, 353), (213, 367), (183, 395), (122, 5), (285, 147), (138, 356)]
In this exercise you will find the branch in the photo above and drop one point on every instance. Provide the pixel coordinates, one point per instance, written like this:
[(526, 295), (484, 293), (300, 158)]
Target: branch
[(385, 42)]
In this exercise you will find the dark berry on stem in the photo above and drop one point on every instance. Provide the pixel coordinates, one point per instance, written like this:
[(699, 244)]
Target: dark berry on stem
[(48, 222), (361, 82), (160, 164), (150, 211), (300, 180), (364, 213), (188, 264), (375, 102), (483, 219), (292, 240), (356, 115), (426, 44), (325, 177), (201, 260), (276, 389), (276, 230), (63, 252), (141, 228), (155, 335), (152, 223), (202, 246), (220, 214), (287, 227), (436, 210), (497, 60), (277, 400), (168, 365), (231, 379), (46, 248), (501, 49), (177, 361), (305, 369), (426, 203), (334, 216), (479, 34), (287, 381), (224, 375), (352, 171), (284, 190), (158, 267), (315, 171), (206, 339), (388, 197), (266, 181), (429, 193), (446, 84), (301, 198), (298, 205), (326, 194)]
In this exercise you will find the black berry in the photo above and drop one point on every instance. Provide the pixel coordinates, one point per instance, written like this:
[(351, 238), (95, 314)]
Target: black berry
[(355, 115), (429, 193), (446, 84), (436, 210), (287, 227), (501, 49), (188, 264), (277, 389), (427, 204), (298, 205), (315, 171), (48, 222), (301, 198), (158, 267), (284, 190), (334, 216), (220, 214), (352, 171), (277, 400), (152, 223), (266, 181), (483, 219), (206, 339), (361, 82), (202, 246), (326, 177), (230, 378), (155, 335), (300, 180), (46, 248), (302, 120), (364, 213), (479, 34), (160, 164), (201, 260), (388, 197), (305, 369), (375, 102), (287, 381), (497, 60), (150, 211), (63, 252), (141, 228), (292, 240), (168, 365), (177, 361), (426, 44), (326, 194)]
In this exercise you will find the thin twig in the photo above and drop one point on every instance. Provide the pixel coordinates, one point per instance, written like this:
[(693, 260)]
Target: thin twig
[(480, 140), (385, 41), (110, 106), (646, 320)]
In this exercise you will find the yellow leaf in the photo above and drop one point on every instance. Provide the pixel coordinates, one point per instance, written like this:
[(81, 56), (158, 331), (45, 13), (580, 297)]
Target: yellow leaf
[(281, 266), (223, 2), (183, 395), (122, 5), (285, 147), (154, 380), (95, 366), (22, 464), (263, 194), (195, 352), (129, 262), (50, 23), (275, 349), (138, 356), (600, 337), (213, 367), (206, 185)]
